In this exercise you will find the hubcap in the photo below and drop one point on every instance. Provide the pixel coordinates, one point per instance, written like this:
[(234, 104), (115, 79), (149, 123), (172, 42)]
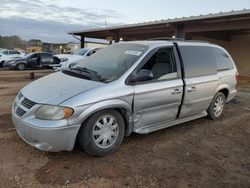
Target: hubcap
[(21, 67), (105, 131), (218, 106)]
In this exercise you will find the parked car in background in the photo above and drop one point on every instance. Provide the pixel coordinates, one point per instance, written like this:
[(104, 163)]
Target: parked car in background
[(32, 60), (68, 60), (140, 87), (6, 55)]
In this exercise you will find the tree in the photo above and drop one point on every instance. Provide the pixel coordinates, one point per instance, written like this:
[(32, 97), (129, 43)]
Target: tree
[(11, 42)]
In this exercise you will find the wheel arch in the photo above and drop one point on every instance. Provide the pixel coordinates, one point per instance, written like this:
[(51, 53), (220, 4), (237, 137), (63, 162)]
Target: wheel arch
[(22, 62), (224, 89), (119, 105)]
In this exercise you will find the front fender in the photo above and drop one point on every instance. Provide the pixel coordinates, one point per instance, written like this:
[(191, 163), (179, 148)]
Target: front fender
[(108, 104), (23, 62)]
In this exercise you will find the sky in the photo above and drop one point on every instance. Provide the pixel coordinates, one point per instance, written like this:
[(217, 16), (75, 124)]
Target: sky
[(50, 20)]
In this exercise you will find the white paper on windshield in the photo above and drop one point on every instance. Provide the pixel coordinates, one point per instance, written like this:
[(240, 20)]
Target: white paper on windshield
[(132, 52)]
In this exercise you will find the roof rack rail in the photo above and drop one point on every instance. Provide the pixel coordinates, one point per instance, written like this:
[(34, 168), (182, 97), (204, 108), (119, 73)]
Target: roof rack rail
[(167, 38), (177, 39)]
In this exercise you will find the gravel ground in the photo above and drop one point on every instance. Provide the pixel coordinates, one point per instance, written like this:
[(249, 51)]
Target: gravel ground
[(201, 153)]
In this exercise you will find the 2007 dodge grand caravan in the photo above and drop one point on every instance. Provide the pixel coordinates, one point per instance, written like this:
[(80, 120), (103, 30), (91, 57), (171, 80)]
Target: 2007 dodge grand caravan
[(128, 87)]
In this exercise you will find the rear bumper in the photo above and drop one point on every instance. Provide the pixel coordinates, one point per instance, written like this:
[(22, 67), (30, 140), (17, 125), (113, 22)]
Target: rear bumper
[(46, 139), (231, 95)]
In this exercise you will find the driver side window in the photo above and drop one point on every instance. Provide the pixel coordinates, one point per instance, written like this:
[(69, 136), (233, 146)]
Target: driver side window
[(34, 56), (162, 65)]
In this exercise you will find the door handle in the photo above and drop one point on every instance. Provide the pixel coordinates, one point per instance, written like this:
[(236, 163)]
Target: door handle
[(176, 91), (190, 89)]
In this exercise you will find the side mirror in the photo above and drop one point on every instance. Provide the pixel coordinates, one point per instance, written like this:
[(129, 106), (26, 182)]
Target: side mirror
[(89, 54), (143, 75)]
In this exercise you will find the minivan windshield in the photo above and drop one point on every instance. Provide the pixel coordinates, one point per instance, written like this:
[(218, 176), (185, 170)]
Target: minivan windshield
[(111, 62)]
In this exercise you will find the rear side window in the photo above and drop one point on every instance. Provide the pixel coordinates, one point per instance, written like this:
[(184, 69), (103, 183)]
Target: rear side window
[(223, 61), (198, 61)]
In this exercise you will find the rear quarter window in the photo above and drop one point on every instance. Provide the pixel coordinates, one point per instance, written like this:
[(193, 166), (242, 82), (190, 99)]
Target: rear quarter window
[(223, 61), (198, 61)]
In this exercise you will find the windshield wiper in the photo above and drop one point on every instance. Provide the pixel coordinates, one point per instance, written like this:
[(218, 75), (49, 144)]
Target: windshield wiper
[(84, 69)]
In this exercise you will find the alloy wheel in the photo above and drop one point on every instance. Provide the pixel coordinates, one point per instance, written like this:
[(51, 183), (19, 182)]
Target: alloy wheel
[(21, 67), (218, 106)]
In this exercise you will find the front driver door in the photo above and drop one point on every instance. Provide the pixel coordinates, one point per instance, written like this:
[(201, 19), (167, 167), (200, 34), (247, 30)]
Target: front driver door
[(157, 101), (32, 61)]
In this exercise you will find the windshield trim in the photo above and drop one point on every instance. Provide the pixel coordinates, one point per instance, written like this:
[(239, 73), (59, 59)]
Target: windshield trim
[(75, 74)]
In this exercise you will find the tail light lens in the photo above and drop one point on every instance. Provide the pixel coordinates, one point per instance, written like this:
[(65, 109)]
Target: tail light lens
[(237, 76)]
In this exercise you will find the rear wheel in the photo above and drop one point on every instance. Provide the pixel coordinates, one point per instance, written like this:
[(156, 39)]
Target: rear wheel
[(102, 133), (21, 66), (217, 106)]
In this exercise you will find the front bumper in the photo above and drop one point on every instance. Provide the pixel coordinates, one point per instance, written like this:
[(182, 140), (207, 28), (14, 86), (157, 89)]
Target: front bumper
[(10, 66), (47, 139), (46, 135)]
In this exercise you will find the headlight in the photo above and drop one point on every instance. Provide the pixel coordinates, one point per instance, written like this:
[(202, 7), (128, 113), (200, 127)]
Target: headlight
[(50, 112), (63, 59), (73, 64), (11, 62)]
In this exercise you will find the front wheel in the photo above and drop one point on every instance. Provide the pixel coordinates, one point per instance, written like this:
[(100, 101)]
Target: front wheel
[(103, 133), (1, 63), (21, 66), (217, 106)]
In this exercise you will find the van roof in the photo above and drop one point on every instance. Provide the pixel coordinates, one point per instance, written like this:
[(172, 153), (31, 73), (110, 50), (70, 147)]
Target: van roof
[(169, 41)]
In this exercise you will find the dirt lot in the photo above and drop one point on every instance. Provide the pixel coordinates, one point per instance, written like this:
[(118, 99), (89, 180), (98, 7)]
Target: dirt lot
[(202, 153)]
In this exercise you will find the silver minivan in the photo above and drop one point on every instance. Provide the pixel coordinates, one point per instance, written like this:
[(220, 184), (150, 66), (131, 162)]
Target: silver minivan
[(139, 87)]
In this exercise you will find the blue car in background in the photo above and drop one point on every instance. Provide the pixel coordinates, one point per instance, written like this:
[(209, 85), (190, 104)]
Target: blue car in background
[(32, 61)]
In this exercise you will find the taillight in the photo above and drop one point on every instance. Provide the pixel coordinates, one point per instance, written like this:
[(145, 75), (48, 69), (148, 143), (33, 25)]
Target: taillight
[(237, 76)]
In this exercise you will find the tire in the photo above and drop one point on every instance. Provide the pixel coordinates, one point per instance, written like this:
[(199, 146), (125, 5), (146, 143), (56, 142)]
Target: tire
[(98, 137), (216, 107), (1, 63), (21, 66)]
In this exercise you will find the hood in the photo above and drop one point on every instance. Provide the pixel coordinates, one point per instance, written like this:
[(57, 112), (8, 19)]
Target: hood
[(56, 88), (16, 60), (72, 59), (19, 59), (63, 55), (9, 58), (69, 56)]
